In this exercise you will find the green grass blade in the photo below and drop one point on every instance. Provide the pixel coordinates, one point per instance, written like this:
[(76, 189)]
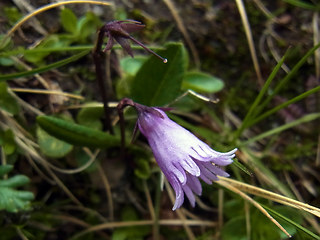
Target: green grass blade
[(283, 105), (303, 4), (306, 118), (43, 69), (298, 226), (284, 81), (258, 99), (45, 50)]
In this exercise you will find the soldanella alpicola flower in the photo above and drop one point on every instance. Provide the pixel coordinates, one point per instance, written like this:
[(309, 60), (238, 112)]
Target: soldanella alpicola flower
[(182, 157), (120, 31)]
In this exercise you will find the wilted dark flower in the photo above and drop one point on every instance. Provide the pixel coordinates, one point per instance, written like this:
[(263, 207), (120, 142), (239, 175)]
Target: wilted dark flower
[(182, 157), (120, 31)]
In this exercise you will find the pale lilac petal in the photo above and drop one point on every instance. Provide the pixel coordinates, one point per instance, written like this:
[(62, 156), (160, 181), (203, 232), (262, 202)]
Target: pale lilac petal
[(222, 162), (194, 183), (178, 190), (200, 153), (189, 195), (178, 171), (189, 165)]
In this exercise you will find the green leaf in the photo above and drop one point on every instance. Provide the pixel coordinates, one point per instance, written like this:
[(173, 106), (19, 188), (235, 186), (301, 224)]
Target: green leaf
[(7, 141), (235, 229), (6, 62), (5, 42), (76, 134), (7, 102), (137, 232), (68, 20), (51, 146), (142, 168), (15, 181), (132, 65), (50, 42), (87, 26), (5, 169), (12, 14), (13, 200), (90, 117), (263, 228), (157, 83), (233, 208), (202, 82)]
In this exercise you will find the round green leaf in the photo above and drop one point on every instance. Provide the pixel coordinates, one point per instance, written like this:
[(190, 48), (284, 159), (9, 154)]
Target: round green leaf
[(51, 146), (202, 82)]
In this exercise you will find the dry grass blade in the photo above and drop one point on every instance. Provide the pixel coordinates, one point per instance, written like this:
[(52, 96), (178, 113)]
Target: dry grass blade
[(271, 196), (247, 29), (27, 67), (163, 222), (47, 7), (108, 191), (29, 148), (41, 91), (256, 204)]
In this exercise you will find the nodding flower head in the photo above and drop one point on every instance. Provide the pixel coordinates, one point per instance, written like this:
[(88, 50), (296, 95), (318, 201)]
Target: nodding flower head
[(182, 157), (120, 31)]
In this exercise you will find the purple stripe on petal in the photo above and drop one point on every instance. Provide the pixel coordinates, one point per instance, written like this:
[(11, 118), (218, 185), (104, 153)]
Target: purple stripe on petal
[(205, 179), (194, 183), (205, 172), (216, 170)]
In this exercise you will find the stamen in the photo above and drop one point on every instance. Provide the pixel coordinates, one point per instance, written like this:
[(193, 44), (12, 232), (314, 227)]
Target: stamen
[(164, 60)]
